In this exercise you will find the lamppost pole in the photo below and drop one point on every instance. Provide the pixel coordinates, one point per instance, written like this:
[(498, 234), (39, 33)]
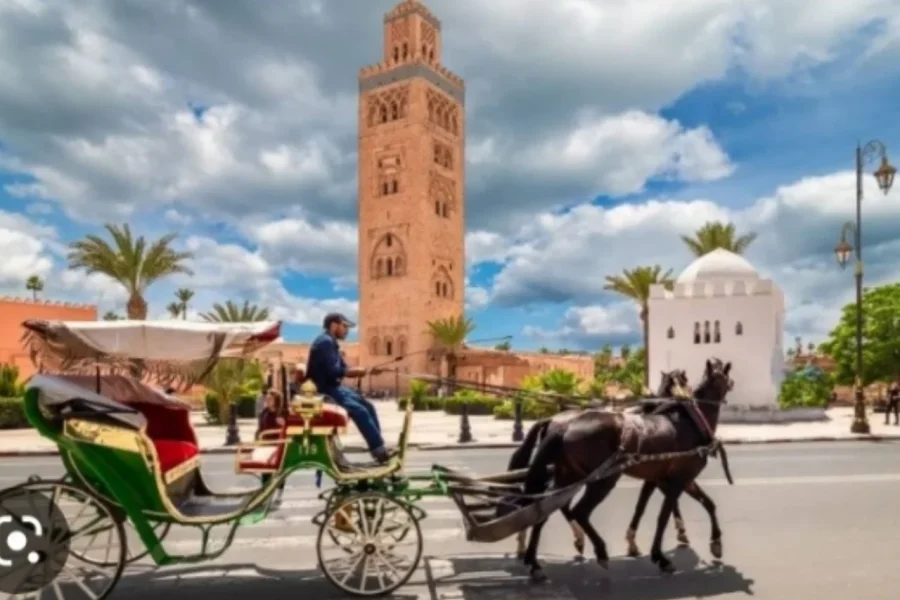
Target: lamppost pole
[(884, 175)]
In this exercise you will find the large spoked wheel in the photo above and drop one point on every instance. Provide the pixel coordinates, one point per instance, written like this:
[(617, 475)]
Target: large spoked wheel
[(65, 542), (358, 546), (135, 549)]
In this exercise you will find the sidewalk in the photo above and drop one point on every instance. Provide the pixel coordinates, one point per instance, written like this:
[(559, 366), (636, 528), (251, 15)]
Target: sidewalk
[(438, 431)]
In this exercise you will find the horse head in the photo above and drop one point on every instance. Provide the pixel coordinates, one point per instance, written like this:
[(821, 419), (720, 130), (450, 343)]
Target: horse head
[(674, 384), (717, 381)]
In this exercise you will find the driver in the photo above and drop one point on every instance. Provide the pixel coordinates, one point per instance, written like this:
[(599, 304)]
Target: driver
[(326, 368)]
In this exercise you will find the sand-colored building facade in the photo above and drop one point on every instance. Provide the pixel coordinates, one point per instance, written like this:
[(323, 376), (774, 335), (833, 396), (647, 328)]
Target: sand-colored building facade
[(14, 311)]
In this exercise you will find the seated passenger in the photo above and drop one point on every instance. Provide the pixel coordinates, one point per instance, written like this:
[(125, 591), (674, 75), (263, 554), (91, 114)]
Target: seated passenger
[(271, 415), (327, 369)]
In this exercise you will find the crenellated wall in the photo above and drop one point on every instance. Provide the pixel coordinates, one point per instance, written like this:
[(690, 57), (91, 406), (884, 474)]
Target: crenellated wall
[(13, 311)]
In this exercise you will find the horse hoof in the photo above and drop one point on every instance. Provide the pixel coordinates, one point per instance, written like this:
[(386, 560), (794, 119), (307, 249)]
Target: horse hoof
[(715, 548), (664, 564), (538, 576), (634, 552)]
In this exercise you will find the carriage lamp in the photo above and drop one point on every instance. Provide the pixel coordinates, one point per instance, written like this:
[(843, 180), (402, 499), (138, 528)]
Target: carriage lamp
[(885, 175)]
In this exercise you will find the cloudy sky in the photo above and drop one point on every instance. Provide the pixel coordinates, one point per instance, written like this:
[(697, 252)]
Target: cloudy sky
[(599, 132)]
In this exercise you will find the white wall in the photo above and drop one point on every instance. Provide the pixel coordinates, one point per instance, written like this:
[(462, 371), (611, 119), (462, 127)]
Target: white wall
[(753, 355)]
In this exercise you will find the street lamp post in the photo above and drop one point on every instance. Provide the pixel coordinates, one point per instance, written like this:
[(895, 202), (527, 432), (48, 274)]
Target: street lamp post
[(884, 175)]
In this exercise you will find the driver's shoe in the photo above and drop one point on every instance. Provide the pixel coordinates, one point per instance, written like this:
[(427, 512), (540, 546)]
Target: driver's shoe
[(384, 455)]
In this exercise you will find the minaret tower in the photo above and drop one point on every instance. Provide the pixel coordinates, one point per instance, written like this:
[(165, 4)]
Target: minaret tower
[(411, 201)]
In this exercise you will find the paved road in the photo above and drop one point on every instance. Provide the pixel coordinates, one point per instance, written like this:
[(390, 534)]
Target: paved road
[(817, 521)]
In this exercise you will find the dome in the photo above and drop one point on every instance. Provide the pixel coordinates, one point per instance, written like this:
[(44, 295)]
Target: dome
[(718, 265)]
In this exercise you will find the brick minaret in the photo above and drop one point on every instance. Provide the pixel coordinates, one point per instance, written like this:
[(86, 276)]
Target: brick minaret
[(411, 200)]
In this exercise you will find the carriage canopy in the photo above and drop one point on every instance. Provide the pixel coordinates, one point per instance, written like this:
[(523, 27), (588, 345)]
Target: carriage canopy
[(169, 350)]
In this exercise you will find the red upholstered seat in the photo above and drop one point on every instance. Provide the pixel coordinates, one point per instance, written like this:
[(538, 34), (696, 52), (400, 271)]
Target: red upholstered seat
[(263, 458), (172, 453), (332, 416)]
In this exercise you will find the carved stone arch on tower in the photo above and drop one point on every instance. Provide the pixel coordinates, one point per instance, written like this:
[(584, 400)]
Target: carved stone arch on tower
[(388, 254), (442, 283), (375, 346), (401, 345), (389, 346)]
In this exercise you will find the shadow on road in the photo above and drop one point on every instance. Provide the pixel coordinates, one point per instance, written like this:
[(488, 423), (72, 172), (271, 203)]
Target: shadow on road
[(463, 577)]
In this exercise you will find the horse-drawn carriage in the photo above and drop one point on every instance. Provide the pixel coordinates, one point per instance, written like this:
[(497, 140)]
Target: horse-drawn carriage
[(131, 460)]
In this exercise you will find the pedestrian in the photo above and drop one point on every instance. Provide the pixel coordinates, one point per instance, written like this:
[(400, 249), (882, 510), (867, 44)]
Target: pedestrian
[(270, 417), (893, 403)]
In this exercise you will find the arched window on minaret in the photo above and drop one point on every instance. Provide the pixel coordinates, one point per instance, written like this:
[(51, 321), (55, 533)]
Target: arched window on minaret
[(437, 288), (424, 51), (390, 267), (717, 333), (401, 346), (388, 240), (431, 56), (384, 188), (389, 346), (394, 186), (706, 336), (444, 211), (373, 346), (396, 54), (405, 50), (454, 126), (384, 114), (437, 207), (379, 268), (395, 113), (439, 115), (445, 290)]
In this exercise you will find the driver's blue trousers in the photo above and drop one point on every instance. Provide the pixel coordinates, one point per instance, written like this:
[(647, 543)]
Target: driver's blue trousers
[(363, 414)]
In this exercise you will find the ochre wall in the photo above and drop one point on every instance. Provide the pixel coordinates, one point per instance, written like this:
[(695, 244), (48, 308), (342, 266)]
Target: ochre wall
[(13, 311)]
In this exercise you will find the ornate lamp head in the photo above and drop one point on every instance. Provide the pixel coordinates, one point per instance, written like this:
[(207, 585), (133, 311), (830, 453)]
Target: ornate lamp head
[(885, 175)]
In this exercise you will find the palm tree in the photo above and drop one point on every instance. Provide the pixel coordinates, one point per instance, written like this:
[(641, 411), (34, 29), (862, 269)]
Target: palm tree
[(184, 296), (133, 262), (451, 333), (231, 312), (716, 234), (174, 309), (34, 284), (635, 284), (110, 316)]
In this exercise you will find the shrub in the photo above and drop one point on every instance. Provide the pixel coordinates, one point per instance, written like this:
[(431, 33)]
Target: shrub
[(246, 408), (479, 404), (804, 390), (423, 403), (12, 414), (9, 381), (532, 410)]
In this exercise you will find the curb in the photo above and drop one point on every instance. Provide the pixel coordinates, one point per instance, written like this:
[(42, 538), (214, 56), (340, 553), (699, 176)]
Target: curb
[(222, 450)]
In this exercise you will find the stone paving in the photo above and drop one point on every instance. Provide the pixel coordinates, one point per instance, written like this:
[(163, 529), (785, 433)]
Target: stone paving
[(436, 430)]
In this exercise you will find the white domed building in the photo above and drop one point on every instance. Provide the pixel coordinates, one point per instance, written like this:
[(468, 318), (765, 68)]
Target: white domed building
[(720, 307)]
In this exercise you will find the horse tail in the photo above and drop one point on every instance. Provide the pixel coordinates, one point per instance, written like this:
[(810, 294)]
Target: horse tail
[(522, 455), (538, 471)]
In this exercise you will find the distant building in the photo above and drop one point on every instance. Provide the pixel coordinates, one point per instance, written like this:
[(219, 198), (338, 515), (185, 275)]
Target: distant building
[(720, 307), (13, 311)]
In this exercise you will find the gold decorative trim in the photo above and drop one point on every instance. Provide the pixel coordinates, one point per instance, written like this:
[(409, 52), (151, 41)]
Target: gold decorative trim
[(192, 464), (98, 434)]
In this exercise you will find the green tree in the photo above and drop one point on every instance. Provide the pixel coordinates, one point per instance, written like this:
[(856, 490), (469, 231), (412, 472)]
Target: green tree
[(35, 285), (716, 234), (133, 262), (111, 316), (174, 309), (183, 297), (504, 346), (232, 379), (230, 312), (635, 284), (450, 333), (881, 337)]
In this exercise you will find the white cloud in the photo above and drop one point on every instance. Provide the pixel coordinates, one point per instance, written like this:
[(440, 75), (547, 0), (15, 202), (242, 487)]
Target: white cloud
[(296, 244), (566, 257)]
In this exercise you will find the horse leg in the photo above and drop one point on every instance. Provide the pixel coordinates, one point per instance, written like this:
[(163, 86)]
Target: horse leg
[(521, 540), (643, 499), (715, 542), (594, 494), (537, 573), (656, 554), (679, 527), (577, 531)]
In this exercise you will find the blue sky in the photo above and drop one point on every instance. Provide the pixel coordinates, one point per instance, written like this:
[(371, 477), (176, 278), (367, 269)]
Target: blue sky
[(586, 153)]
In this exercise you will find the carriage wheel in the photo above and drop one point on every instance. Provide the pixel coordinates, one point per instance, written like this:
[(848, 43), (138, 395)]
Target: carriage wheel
[(52, 528), (342, 523), (358, 546), (134, 546)]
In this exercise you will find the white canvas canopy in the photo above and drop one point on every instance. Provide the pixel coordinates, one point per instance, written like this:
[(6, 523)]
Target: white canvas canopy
[(161, 347)]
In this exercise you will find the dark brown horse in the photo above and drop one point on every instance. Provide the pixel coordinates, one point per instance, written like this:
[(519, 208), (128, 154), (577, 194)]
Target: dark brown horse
[(593, 438), (673, 384)]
